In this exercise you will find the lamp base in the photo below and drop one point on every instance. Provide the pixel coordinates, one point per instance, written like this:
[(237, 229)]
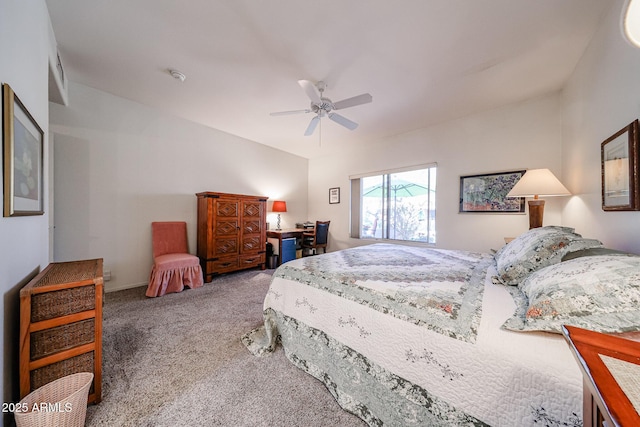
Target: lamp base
[(278, 224), (536, 212)]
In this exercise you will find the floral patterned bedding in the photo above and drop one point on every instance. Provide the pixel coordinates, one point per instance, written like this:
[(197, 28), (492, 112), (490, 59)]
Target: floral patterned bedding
[(405, 335), (600, 293)]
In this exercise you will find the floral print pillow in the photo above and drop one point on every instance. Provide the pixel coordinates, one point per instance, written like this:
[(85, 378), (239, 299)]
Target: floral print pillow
[(600, 293), (535, 249)]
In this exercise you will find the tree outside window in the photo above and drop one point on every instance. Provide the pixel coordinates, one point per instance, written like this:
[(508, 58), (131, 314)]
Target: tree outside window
[(399, 206)]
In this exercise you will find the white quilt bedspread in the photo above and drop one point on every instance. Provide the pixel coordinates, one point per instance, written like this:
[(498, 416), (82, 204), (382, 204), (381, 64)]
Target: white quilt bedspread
[(391, 369)]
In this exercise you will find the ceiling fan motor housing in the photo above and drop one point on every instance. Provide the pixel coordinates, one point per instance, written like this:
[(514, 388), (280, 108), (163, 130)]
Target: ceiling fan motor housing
[(324, 108)]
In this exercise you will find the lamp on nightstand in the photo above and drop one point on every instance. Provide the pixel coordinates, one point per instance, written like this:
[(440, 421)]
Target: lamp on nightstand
[(279, 206), (535, 183)]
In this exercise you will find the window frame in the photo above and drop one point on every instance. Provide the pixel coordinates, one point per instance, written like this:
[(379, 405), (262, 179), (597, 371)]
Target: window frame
[(356, 207)]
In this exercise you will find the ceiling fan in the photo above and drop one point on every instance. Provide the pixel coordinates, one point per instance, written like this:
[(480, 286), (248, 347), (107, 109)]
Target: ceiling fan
[(322, 106)]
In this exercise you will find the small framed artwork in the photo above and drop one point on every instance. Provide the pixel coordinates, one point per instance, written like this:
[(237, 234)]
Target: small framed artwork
[(23, 145), (619, 169), (334, 195), (488, 193)]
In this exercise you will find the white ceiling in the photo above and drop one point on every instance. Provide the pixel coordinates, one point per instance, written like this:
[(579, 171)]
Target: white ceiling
[(424, 61)]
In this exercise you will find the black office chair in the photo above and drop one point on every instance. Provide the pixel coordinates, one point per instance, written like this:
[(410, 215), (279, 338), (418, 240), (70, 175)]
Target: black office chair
[(317, 239)]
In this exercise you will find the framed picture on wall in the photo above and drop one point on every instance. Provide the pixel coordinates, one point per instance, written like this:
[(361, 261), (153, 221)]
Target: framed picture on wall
[(334, 195), (488, 193), (619, 170), (23, 145)]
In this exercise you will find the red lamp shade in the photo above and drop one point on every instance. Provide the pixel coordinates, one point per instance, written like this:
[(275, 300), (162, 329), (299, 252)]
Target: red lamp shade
[(279, 206)]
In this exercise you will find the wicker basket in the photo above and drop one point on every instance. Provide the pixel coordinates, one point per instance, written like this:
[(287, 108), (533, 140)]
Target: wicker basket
[(61, 403)]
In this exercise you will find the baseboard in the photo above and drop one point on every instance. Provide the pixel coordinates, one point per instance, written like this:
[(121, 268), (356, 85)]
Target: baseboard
[(123, 287)]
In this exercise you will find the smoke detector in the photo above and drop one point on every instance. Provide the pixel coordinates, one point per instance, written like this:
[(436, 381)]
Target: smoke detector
[(177, 75)]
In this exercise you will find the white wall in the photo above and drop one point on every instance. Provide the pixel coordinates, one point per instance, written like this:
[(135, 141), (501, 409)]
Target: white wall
[(602, 97), (120, 165), (521, 136), (24, 241)]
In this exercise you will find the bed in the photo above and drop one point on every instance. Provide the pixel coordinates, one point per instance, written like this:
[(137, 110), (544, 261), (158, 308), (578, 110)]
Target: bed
[(406, 335)]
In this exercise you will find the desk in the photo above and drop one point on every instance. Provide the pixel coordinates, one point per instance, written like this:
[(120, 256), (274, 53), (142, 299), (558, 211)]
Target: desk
[(607, 362), (284, 234)]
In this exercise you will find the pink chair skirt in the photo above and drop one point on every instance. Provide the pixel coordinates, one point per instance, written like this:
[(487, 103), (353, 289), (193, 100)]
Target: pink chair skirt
[(172, 272)]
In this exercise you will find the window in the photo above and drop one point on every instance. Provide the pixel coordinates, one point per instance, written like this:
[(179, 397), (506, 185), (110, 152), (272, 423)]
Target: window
[(395, 205)]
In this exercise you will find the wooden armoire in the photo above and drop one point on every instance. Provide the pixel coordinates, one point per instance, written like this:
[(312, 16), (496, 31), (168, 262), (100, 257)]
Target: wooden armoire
[(231, 232)]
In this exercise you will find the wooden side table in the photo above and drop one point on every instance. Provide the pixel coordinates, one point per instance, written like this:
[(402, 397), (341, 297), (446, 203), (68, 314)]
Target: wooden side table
[(610, 367)]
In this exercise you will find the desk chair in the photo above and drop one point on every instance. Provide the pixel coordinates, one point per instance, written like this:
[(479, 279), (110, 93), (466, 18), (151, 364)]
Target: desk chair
[(173, 266), (311, 241)]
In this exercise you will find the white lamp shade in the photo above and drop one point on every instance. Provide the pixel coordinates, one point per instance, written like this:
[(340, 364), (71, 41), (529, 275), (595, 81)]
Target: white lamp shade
[(538, 182), (631, 21)]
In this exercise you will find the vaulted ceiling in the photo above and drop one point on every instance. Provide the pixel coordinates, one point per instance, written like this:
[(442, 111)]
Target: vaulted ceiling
[(423, 61)]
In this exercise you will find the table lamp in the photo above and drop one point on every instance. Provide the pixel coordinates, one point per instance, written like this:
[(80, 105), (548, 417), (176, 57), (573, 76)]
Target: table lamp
[(535, 183), (279, 206)]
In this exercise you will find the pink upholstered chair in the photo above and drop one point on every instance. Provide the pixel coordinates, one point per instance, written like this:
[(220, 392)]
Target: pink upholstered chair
[(173, 266)]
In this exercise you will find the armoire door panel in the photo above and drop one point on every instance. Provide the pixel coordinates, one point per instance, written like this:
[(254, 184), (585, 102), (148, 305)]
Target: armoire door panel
[(252, 209), (224, 228), (251, 227), (227, 208), (251, 244), (226, 247)]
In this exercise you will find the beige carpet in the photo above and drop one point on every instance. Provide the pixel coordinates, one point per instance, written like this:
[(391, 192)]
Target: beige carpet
[(177, 360)]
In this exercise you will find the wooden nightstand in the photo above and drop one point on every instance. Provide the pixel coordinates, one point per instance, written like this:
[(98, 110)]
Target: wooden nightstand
[(610, 367)]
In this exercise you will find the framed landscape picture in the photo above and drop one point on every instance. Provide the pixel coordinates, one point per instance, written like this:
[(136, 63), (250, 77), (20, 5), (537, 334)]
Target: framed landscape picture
[(619, 169), (488, 193), (23, 144)]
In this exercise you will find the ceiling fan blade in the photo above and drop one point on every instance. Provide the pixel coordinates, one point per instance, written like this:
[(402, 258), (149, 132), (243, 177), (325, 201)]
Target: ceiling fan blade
[(311, 91), (352, 102), (312, 126), (341, 120), (284, 113)]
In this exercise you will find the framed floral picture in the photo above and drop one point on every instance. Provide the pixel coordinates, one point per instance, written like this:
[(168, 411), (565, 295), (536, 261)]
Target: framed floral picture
[(488, 193), (619, 169), (23, 147)]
